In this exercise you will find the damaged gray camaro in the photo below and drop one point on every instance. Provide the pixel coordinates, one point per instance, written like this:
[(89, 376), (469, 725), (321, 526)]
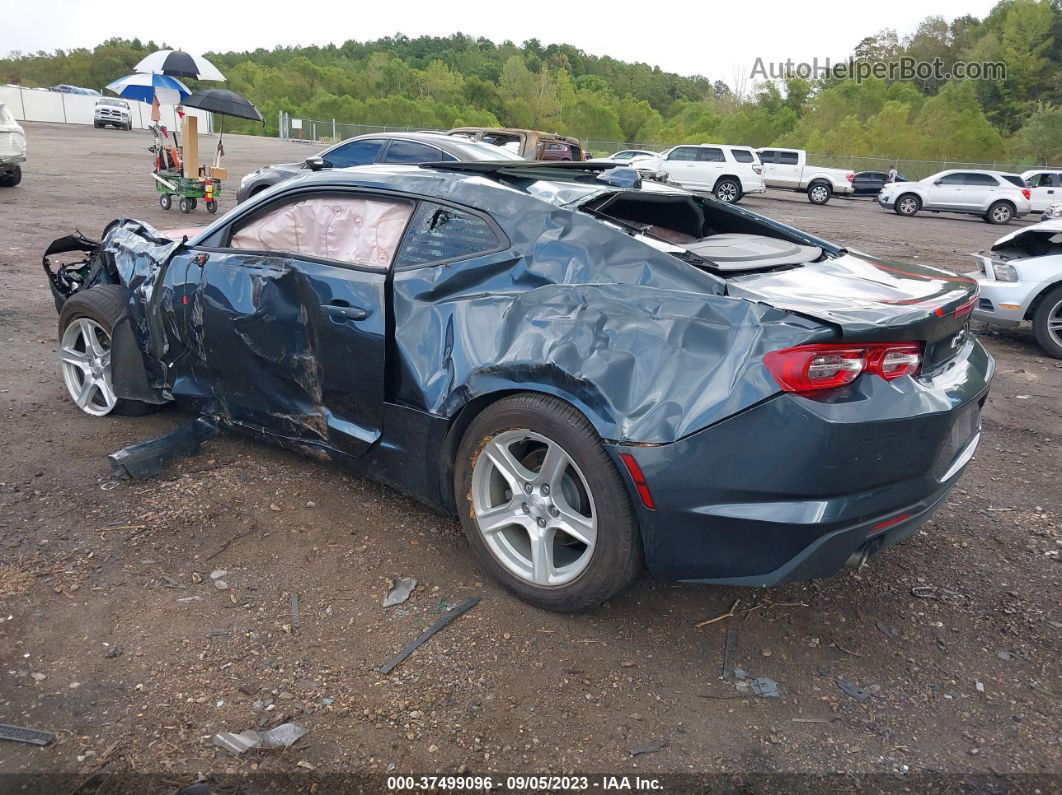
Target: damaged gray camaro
[(595, 374)]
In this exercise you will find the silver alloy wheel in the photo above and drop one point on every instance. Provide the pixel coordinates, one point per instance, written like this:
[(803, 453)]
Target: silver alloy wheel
[(908, 205), (85, 352), (534, 508), (819, 194), (726, 192), (1001, 214), (1054, 323)]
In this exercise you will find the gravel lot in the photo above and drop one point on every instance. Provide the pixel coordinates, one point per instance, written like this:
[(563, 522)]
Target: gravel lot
[(954, 634)]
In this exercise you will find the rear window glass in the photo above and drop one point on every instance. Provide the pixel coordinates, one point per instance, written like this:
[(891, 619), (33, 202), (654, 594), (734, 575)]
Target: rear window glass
[(1014, 179), (439, 233), (710, 155), (788, 158), (743, 156), (982, 179)]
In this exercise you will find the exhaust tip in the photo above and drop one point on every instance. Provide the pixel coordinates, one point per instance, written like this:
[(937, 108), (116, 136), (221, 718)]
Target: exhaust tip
[(858, 559)]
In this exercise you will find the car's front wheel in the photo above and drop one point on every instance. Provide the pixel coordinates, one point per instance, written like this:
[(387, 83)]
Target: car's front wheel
[(908, 205), (1047, 323), (85, 326), (544, 506), (11, 178)]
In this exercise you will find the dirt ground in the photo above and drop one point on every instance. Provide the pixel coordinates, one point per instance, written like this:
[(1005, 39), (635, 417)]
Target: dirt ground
[(114, 636)]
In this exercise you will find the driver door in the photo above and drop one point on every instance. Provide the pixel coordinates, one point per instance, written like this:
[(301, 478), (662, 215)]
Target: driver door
[(287, 318)]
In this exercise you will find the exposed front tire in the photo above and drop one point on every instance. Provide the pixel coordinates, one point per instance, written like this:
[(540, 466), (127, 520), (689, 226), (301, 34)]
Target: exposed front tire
[(908, 204), (85, 326), (543, 505), (1047, 323), (165, 201), (11, 178), (728, 190), (1000, 213), (185, 205)]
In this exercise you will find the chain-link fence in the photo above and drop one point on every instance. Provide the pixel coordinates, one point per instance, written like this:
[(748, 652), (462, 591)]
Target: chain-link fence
[(322, 131)]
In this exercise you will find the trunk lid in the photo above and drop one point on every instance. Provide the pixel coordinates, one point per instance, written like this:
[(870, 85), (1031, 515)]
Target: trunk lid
[(872, 300)]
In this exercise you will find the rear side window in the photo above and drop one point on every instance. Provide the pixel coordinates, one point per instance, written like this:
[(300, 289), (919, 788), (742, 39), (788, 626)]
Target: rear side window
[(710, 155), (413, 152), (356, 153), (767, 156), (788, 158), (440, 234), (983, 180), (1014, 179), (743, 156)]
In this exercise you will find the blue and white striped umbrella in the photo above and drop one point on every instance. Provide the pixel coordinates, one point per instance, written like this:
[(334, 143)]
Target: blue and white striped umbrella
[(145, 87)]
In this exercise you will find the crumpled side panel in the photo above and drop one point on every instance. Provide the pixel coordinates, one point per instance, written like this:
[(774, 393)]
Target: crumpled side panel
[(645, 345)]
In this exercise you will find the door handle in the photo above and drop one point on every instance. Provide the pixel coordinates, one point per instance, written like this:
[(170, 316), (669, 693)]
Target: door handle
[(343, 312)]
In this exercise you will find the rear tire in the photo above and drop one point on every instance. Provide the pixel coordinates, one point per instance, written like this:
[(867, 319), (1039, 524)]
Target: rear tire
[(165, 201), (11, 178), (211, 206), (908, 204), (184, 205), (819, 192), (728, 190), (528, 546), (96, 310), (1000, 213), (1047, 323)]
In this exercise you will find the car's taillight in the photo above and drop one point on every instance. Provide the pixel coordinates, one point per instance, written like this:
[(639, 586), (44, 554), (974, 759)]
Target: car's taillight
[(851, 176), (1026, 193), (758, 169), (810, 368)]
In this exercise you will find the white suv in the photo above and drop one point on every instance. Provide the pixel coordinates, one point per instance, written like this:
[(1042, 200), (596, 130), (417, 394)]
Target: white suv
[(1046, 187), (728, 172), (993, 195)]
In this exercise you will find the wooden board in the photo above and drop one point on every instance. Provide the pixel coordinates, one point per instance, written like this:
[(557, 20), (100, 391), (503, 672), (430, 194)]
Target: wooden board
[(190, 137)]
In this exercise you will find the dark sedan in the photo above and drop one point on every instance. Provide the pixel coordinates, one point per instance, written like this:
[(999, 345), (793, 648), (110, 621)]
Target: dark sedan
[(396, 148), (870, 183), (591, 373)]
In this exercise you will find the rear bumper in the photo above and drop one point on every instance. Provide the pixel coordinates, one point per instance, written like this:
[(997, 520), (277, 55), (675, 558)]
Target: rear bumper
[(793, 487)]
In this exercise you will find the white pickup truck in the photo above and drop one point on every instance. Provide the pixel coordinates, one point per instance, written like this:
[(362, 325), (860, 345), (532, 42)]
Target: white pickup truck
[(788, 168)]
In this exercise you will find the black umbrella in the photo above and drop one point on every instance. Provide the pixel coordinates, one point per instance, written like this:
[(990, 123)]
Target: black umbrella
[(224, 103)]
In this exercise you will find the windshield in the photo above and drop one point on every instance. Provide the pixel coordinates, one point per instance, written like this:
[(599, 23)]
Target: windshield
[(121, 103), (475, 150)]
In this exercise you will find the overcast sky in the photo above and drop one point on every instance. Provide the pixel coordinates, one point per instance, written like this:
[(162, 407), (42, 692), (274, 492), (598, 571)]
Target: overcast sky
[(718, 40)]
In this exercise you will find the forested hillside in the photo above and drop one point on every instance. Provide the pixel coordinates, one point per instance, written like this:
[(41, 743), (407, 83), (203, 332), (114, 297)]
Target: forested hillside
[(454, 80)]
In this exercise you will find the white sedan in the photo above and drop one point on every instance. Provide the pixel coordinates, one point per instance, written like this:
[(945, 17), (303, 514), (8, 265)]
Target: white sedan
[(1021, 279)]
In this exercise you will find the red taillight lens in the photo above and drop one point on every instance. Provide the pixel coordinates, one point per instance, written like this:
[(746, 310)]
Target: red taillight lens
[(1026, 193), (810, 368), (851, 176), (758, 169)]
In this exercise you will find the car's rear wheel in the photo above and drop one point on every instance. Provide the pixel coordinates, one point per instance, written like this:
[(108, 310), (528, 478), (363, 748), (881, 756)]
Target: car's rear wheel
[(11, 178), (185, 205), (1047, 323), (908, 205), (819, 192), (85, 327), (728, 190), (544, 506), (1000, 213)]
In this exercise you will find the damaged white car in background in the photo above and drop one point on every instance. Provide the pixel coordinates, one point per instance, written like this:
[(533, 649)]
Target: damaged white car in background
[(12, 148), (1021, 279)]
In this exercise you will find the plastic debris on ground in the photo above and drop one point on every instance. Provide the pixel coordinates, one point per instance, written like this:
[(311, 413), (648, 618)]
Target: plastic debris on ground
[(650, 747), (765, 687), (282, 736), (855, 691), (439, 624), (400, 592)]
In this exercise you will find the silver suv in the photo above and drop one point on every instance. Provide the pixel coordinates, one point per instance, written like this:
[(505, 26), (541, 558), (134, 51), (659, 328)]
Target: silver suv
[(993, 195), (112, 112)]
